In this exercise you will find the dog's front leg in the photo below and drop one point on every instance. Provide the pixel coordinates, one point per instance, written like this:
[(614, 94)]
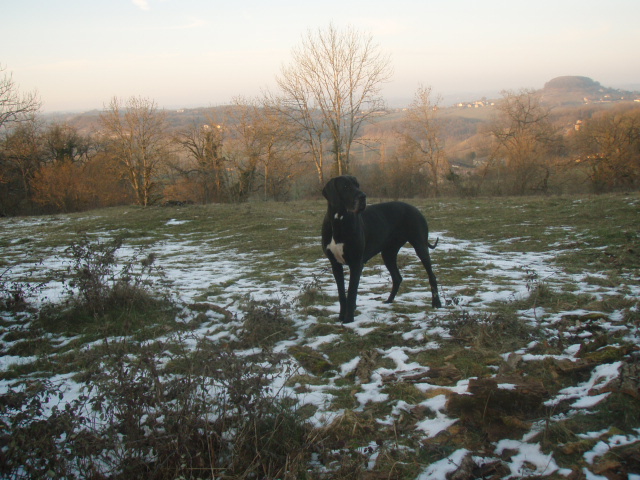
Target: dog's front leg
[(338, 274), (355, 271)]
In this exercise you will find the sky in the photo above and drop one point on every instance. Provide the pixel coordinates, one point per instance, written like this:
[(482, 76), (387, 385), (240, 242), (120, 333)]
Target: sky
[(79, 54)]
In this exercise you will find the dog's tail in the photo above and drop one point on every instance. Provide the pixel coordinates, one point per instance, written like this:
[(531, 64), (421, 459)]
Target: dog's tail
[(434, 245)]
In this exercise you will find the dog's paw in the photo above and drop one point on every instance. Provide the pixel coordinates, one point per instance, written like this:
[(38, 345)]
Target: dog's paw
[(347, 319)]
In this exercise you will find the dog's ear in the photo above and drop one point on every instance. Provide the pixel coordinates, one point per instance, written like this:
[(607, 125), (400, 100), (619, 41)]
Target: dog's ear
[(329, 191)]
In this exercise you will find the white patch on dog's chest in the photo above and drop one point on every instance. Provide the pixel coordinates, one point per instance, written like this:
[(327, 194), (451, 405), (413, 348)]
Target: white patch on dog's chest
[(337, 249)]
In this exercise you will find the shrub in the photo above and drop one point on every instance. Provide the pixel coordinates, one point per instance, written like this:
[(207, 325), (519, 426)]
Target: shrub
[(99, 281), (106, 295), (31, 432), (137, 420), (14, 296), (310, 292)]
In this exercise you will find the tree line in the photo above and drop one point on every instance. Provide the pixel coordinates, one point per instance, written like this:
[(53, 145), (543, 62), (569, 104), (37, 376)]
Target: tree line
[(320, 122)]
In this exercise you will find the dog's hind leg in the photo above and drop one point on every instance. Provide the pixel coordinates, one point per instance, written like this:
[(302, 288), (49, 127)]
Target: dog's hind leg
[(423, 253), (390, 257)]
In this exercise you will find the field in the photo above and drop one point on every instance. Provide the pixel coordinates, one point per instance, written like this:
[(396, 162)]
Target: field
[(530, 370)]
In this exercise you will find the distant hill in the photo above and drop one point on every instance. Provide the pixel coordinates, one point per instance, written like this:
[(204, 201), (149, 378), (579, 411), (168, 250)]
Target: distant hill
[(576, 90), (572, 83)]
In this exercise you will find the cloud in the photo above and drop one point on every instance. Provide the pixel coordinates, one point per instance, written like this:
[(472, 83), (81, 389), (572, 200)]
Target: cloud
[(142, 4)]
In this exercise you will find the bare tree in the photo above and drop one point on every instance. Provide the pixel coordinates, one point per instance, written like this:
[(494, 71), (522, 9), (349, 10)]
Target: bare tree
[(608, 145), (276, 148), (523, 140), (295, 105), (21, 155), (330, 89), (244, 147), (204, 146), (137, 135), (65, 143), (14, 106), (420, 145), (261, 149)]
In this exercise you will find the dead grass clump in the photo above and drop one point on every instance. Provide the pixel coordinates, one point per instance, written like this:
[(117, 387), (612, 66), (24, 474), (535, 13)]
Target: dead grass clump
[(265, 324), (405, 391), (311, 360), (498, 332), (352, 430), (497, 410)]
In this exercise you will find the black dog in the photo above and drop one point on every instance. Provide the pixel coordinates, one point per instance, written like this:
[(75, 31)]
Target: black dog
[(352, 234)]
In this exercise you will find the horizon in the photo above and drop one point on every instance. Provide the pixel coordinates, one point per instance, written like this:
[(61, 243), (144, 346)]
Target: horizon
[(193, 54), (397, 103)]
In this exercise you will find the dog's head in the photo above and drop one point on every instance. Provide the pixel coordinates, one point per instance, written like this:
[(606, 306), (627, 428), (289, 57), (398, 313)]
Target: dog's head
[(344, 194)]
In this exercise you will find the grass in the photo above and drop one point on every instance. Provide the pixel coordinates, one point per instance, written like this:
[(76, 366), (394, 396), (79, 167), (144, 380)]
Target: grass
[(276, 306)]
